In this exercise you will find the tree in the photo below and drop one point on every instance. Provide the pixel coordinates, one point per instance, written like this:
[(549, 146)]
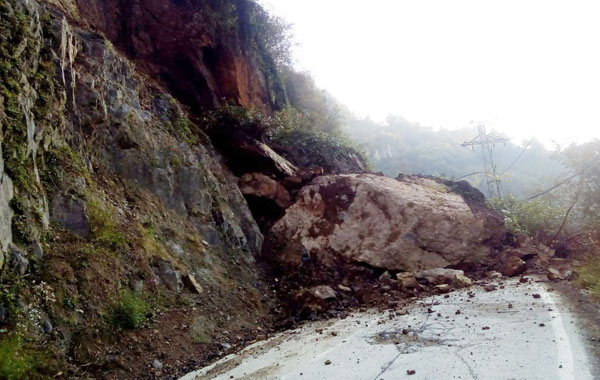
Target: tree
[(584, 161), (321, 107)]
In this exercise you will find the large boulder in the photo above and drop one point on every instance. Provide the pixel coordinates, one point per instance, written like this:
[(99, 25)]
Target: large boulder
[(401, 225)]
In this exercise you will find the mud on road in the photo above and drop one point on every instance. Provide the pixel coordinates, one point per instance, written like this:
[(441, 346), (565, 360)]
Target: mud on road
[(517, 331)]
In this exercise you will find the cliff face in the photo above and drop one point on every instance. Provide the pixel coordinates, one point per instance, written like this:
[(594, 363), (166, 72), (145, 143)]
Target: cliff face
[(204, 51), (107, 188)]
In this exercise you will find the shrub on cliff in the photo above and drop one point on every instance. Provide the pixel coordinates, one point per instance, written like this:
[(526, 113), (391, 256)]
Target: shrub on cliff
[(228, 119), (130, 311)]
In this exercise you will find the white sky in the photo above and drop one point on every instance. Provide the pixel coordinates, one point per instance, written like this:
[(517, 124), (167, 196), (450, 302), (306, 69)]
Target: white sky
[(525, 67)]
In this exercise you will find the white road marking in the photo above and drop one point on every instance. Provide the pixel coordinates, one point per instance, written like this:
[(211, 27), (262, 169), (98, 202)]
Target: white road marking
[(563, 343)]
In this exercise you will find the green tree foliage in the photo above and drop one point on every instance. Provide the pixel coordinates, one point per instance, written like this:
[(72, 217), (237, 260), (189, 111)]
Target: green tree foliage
[(321, 109), (584, 191), (563, 207), (277, 38), (224, 120), (528, 217)]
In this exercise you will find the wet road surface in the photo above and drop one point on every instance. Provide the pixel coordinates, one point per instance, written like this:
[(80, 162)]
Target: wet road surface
[(520, 331)]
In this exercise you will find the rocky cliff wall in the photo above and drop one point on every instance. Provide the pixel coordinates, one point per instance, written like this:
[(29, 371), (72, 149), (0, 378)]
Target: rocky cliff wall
[(205, 52), (114, 191)]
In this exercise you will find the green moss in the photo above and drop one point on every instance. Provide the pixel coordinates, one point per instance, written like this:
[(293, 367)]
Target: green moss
[(174, 161), (15, 362), (21, 230), (589, 276), (201, 338), (20, 359), (182, 127), (104, 230), (18, 49), (10, 288), (18, 205), (68, 303)]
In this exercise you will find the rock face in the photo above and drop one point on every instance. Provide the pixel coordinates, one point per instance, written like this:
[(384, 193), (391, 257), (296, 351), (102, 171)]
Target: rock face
[(71, 214), (246, 154), (259, 185), (200, 49), (402, 225), (105, 181), (6, 212)]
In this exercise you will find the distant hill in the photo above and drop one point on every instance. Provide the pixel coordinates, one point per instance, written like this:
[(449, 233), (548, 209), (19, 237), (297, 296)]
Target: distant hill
[(399, 146)]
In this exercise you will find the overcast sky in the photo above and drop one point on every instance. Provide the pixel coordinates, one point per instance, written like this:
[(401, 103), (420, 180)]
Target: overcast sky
[(526, 67)]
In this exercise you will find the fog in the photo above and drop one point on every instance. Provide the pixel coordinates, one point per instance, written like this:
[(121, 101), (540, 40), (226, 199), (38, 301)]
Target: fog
[(526, 68)]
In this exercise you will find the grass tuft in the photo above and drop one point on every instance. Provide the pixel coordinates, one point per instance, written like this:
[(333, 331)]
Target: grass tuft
[(130, 311), (15, 362)]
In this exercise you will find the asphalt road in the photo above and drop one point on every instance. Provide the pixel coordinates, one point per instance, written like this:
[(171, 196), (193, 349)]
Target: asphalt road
[(461, 336)]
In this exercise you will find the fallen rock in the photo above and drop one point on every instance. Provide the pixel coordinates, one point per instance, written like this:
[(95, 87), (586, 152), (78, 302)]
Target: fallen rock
[(489, 288), (461, 281), (190, 282), (323, 292), (344, 288), (157, 364), (302, 178), (494, 274), (399, 225), (554, 274), (439, 276), (318, 299), (327, 362), (513, 266), (385, 276), (443, 288), (262, 186), (407, 280)]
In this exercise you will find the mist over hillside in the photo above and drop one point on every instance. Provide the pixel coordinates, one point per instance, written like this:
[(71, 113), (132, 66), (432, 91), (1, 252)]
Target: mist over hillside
[(400, 146)]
